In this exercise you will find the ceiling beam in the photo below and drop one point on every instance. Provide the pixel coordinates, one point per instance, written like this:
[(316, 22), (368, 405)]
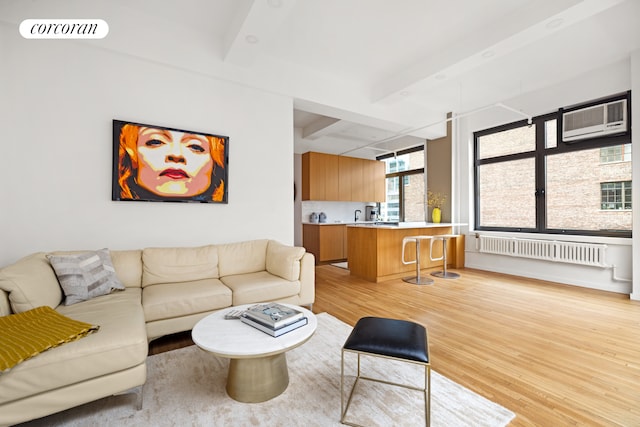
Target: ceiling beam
[(321, 127), (531, 23)]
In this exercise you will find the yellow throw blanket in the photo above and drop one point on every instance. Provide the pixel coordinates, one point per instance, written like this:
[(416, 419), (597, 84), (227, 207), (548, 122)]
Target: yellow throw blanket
[(27, 334)]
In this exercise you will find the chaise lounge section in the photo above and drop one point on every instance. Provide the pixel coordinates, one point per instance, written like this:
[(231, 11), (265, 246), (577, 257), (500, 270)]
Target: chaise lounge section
[(166, 290)]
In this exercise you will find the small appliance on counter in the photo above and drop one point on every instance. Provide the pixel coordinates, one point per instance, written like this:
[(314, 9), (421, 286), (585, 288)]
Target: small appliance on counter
[(313, 218), (322, 218), (371, 213)]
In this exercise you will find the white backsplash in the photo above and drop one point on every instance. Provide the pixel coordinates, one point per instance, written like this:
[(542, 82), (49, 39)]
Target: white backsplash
[(335, 211)]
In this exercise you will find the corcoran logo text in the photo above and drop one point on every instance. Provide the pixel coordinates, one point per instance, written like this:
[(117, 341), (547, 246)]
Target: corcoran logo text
[(64, 29)]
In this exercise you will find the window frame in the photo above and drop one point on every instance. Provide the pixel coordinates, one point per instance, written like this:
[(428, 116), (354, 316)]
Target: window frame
[(401, 176), (539, 154)]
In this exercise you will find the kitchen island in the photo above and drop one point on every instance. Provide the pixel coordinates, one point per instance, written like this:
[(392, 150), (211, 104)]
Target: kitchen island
[(374, 251)]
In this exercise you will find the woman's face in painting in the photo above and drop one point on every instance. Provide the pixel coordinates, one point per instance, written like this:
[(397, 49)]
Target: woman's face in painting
[(172, 163)]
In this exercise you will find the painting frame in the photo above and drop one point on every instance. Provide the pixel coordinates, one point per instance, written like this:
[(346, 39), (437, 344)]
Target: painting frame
[(153, 163)]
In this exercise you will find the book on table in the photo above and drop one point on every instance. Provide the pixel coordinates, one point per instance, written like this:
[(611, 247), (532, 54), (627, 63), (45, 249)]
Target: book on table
[(274, 332), (273, 315)]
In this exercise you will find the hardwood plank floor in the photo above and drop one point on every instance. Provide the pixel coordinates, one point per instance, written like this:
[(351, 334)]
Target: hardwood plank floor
[(555, 355)]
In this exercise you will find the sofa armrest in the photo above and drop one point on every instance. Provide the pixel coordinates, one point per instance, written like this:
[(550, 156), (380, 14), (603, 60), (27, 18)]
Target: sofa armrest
[(307, 279), (5, 307)]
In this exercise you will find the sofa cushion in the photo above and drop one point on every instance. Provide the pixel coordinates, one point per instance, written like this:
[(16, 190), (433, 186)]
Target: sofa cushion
[(85, 275), (174, 265), (170, 300), (242, 257), (31, 282), (128, 265), (27, 334), (259, 287), (119, 344), (284, 261)]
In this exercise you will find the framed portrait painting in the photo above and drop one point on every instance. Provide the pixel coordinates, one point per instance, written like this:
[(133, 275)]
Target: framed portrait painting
[(159, 164)]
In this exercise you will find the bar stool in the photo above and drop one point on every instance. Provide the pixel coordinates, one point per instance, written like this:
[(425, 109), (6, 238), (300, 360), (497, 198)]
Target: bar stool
[(444, 273), (399, 340), (417, 279)]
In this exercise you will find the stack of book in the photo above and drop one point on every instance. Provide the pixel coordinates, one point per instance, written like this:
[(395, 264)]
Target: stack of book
[(273, 318)]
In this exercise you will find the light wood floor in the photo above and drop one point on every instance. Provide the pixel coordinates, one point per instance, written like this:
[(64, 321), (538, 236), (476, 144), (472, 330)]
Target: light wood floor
[(555, 355)]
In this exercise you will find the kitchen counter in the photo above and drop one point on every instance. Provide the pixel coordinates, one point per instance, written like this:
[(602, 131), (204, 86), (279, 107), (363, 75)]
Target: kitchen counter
[(386, 224), (404, 225), (374, 250), (340, 223)]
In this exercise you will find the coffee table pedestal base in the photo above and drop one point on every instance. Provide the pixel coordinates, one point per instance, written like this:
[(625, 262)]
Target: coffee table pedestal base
[(258, 379)]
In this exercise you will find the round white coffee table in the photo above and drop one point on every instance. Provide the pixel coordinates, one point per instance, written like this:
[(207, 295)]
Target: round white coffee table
[(258, 365)]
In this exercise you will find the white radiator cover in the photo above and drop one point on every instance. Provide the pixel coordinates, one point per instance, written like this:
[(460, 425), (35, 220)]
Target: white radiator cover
[(589, 254)]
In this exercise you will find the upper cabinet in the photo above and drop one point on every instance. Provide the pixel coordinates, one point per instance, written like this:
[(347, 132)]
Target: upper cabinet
[(319, 176), (339, 178)]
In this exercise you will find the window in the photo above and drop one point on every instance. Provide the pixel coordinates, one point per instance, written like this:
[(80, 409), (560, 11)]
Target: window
[(405, 202), (615, 195), (619, 153), (527, 179), (506, 178)]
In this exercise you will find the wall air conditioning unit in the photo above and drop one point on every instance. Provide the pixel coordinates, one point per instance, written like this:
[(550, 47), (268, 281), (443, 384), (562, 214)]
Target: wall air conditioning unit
[(592, 122)]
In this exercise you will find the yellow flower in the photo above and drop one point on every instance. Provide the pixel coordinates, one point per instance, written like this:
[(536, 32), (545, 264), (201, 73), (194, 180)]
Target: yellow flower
[(435, 200)]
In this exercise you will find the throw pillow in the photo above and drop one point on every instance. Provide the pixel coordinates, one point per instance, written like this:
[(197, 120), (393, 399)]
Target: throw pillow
[(86, 275)]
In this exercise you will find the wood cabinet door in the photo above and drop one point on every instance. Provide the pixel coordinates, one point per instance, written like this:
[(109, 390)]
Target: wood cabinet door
[(313, 182), (345, 173), (380, 182), (369, 181), (319, 176), (331, 177), (332, 242), (311, 239), (357, 180)]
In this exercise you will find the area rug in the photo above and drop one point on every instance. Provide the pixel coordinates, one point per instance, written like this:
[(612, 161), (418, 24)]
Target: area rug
[(343, 264), (187, 387)]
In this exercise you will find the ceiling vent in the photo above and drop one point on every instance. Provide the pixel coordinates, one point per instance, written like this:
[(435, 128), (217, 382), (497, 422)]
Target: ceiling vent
[(595, 121)]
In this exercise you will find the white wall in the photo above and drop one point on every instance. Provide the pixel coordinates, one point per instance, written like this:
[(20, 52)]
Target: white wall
[(297, 207), (599, 83), (635, 196), (59, 100)]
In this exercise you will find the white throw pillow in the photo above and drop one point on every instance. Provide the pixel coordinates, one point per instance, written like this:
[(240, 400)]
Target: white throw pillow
[(86, 275)]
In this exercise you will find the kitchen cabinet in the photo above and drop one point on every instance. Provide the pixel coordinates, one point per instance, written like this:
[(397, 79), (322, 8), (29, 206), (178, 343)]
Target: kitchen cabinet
[(375, 250), (345, 177), (326, 241), (358, 192), (319, 176), (340, 178), (379, 185)]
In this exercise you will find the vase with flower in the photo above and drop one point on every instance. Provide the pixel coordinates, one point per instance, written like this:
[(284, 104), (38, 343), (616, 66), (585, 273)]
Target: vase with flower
[(435, 201)]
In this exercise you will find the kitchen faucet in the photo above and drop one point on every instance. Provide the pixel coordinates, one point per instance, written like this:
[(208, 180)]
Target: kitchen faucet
[(355, 215)]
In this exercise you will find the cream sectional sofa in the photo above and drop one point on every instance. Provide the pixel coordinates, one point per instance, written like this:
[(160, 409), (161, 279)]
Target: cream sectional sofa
[(167, 290)]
